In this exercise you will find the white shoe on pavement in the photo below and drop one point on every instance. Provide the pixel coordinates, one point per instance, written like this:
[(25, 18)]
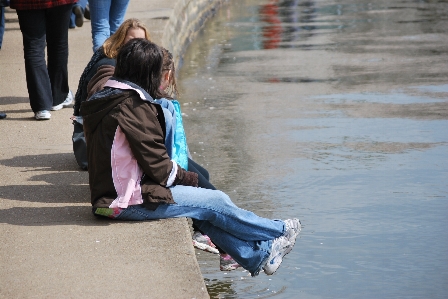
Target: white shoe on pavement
[(42, 115), (68, 101)]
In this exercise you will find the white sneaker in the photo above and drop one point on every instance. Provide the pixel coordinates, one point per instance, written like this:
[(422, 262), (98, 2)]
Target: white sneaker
[(42, 115), (68, 101), (292, 229), (203, 242), (282, 245)]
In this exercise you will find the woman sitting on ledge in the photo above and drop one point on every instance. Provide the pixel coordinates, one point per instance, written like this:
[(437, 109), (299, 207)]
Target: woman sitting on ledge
[(131, 176)]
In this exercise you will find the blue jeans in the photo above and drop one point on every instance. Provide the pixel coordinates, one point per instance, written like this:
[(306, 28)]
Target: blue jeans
[(105, 17), (242, 234)]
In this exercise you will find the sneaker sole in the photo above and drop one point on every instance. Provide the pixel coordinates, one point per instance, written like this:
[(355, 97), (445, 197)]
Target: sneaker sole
[(288, 250), (205, 247), (56, 108), (296, 234), (42, 118), (60, 106)]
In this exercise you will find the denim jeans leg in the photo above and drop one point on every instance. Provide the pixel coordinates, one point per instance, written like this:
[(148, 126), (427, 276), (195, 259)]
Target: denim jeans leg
[(72, 20), (99, 20), (57, 50), (251, 255), (244, 235), (83, 4), (33, 27), (117, 12)]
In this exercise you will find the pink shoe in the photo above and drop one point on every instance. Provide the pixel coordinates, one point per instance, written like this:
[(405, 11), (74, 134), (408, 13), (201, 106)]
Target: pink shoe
[(227, 263), (203, 242)]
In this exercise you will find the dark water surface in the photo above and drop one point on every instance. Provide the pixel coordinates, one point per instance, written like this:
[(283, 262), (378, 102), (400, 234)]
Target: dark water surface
[(334, 112)]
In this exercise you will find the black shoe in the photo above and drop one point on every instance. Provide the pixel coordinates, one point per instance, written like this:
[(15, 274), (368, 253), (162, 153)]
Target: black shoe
[(87, 12), (79, 15), (2, 115)]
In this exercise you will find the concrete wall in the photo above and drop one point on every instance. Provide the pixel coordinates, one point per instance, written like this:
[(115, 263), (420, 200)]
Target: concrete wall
[(187, 18)]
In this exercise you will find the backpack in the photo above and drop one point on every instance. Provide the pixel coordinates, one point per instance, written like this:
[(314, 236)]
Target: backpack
[(79, 143)]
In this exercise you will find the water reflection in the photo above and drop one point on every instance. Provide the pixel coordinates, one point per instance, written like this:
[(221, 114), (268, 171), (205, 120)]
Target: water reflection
[(272, 31), (283, 22), (334, 112)]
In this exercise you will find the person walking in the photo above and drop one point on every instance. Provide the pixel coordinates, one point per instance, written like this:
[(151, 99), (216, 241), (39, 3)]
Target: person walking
[(44, 24), (105, 18)]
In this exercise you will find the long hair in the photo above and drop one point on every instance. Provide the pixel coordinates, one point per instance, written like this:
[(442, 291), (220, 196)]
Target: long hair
[(140, 61), (168, 65), (112, 45)]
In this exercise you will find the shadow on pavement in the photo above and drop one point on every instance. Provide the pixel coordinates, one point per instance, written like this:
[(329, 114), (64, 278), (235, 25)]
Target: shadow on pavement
[(47, 162)]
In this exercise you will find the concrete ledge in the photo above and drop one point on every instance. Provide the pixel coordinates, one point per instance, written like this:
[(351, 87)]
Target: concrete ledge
[(51, 245)]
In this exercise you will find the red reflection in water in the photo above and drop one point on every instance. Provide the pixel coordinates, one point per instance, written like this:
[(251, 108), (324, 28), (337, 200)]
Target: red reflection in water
[(272, 32)]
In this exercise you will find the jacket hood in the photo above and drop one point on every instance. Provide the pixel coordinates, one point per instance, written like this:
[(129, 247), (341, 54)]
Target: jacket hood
[(102, 102), (99, 105)]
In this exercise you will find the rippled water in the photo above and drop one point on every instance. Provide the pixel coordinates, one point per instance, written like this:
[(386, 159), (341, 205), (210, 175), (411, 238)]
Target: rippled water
[(334, 112)]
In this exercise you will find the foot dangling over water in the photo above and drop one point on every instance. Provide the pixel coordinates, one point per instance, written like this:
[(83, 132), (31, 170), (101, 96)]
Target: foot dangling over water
[(282, 245)]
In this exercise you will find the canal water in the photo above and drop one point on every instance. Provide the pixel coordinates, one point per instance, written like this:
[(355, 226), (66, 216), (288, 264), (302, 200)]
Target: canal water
[(335, 112)]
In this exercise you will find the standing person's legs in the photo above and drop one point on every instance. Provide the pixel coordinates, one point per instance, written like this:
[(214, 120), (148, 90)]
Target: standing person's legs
[(33, 26), (244, 235), (117, 12), (57, 19), (99, 18)]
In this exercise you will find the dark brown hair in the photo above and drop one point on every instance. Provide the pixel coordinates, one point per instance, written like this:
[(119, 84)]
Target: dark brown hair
[(140, 61)]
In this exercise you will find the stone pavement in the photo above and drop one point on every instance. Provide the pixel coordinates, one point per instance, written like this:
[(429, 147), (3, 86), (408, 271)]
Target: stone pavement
[(51, 246)]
